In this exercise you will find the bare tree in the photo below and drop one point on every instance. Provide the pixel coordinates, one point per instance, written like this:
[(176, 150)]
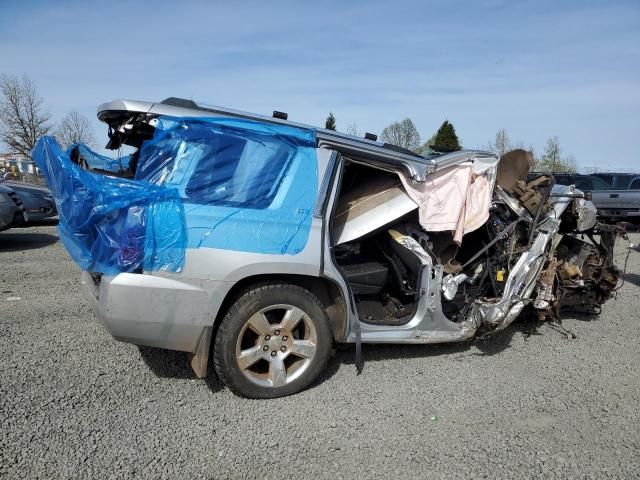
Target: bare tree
[(353, 130), (552, 151), (502, 143), (403, 134), (75, 128), (552, 160), (23, 117)]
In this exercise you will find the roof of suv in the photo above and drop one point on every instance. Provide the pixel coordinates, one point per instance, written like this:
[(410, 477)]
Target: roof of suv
[(357, 147)]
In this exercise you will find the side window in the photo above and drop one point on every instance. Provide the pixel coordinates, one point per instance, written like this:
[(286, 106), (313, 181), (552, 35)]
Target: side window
[(239, 172), (212, 178), (609, 179), (599, 184), (583, 183), (635, 185)]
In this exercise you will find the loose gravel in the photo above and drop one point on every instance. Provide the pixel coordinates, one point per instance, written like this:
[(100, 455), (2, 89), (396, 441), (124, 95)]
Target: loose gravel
[(528, 403)]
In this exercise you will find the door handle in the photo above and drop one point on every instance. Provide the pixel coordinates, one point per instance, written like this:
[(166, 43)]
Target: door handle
[(613, 195)]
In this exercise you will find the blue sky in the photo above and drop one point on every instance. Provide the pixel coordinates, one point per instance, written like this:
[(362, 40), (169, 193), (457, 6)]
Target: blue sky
[(538, 68)]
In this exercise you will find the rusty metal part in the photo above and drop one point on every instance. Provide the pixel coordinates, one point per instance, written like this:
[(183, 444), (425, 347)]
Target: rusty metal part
[(530, 194), (545, 291), (587, 276), (568, 271)]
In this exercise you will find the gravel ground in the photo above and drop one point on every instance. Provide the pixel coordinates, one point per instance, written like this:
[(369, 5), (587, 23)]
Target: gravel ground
[(74, 403)]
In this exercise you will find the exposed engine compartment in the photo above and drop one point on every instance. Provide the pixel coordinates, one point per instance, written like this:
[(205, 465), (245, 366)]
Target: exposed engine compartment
[(383, 268), (580, 275)]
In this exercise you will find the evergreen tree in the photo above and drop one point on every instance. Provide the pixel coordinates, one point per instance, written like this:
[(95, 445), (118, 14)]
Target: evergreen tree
[(425, 149), (446, 139), (330, 124)]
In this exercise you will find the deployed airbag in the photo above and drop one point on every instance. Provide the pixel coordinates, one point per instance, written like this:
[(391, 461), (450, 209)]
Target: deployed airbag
[(456, 198)]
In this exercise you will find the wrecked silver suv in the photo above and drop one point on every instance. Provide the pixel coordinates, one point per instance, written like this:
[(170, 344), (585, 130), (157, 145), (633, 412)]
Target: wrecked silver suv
[(267, 241)]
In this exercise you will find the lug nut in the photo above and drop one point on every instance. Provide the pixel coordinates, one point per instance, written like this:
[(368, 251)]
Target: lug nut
[(285, 338), (265, 348), (267, 337), (283, 348), (277, 332), (274, 353)]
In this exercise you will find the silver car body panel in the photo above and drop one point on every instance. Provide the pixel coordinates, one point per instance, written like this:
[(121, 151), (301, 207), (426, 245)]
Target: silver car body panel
[(587, 214), (617, 204)]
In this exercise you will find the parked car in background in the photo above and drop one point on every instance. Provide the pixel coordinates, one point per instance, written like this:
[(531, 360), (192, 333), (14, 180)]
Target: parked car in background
[(620, 181), (38, 201), (615, 195), (618, 205), (12, 211), (586, 183)]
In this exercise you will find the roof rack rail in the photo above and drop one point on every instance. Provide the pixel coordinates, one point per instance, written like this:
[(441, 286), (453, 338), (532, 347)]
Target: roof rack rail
[(325, 136)]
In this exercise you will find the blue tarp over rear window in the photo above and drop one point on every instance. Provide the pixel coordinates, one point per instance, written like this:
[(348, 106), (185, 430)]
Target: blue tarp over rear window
[(210, 182), (247, 186)]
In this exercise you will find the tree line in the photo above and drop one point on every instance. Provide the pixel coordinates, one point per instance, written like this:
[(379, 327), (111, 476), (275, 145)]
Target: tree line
[(405, 134), (551, 159)]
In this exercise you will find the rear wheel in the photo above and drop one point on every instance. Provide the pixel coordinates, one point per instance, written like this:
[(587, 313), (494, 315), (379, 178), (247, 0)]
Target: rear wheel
[(274, 341)]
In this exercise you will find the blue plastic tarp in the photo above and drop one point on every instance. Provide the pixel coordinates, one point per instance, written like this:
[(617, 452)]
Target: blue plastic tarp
[(247, 186), (94, 160), (111, 225), (221, 183)]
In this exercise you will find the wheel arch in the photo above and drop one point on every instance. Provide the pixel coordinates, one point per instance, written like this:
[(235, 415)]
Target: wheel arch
[(327, 291)]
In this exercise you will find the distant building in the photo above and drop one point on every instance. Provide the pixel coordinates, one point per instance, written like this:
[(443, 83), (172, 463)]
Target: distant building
[(23, 163), (23, 168)]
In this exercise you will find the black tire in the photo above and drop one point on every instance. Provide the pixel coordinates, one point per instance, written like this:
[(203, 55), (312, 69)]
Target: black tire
[(235, 324)]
